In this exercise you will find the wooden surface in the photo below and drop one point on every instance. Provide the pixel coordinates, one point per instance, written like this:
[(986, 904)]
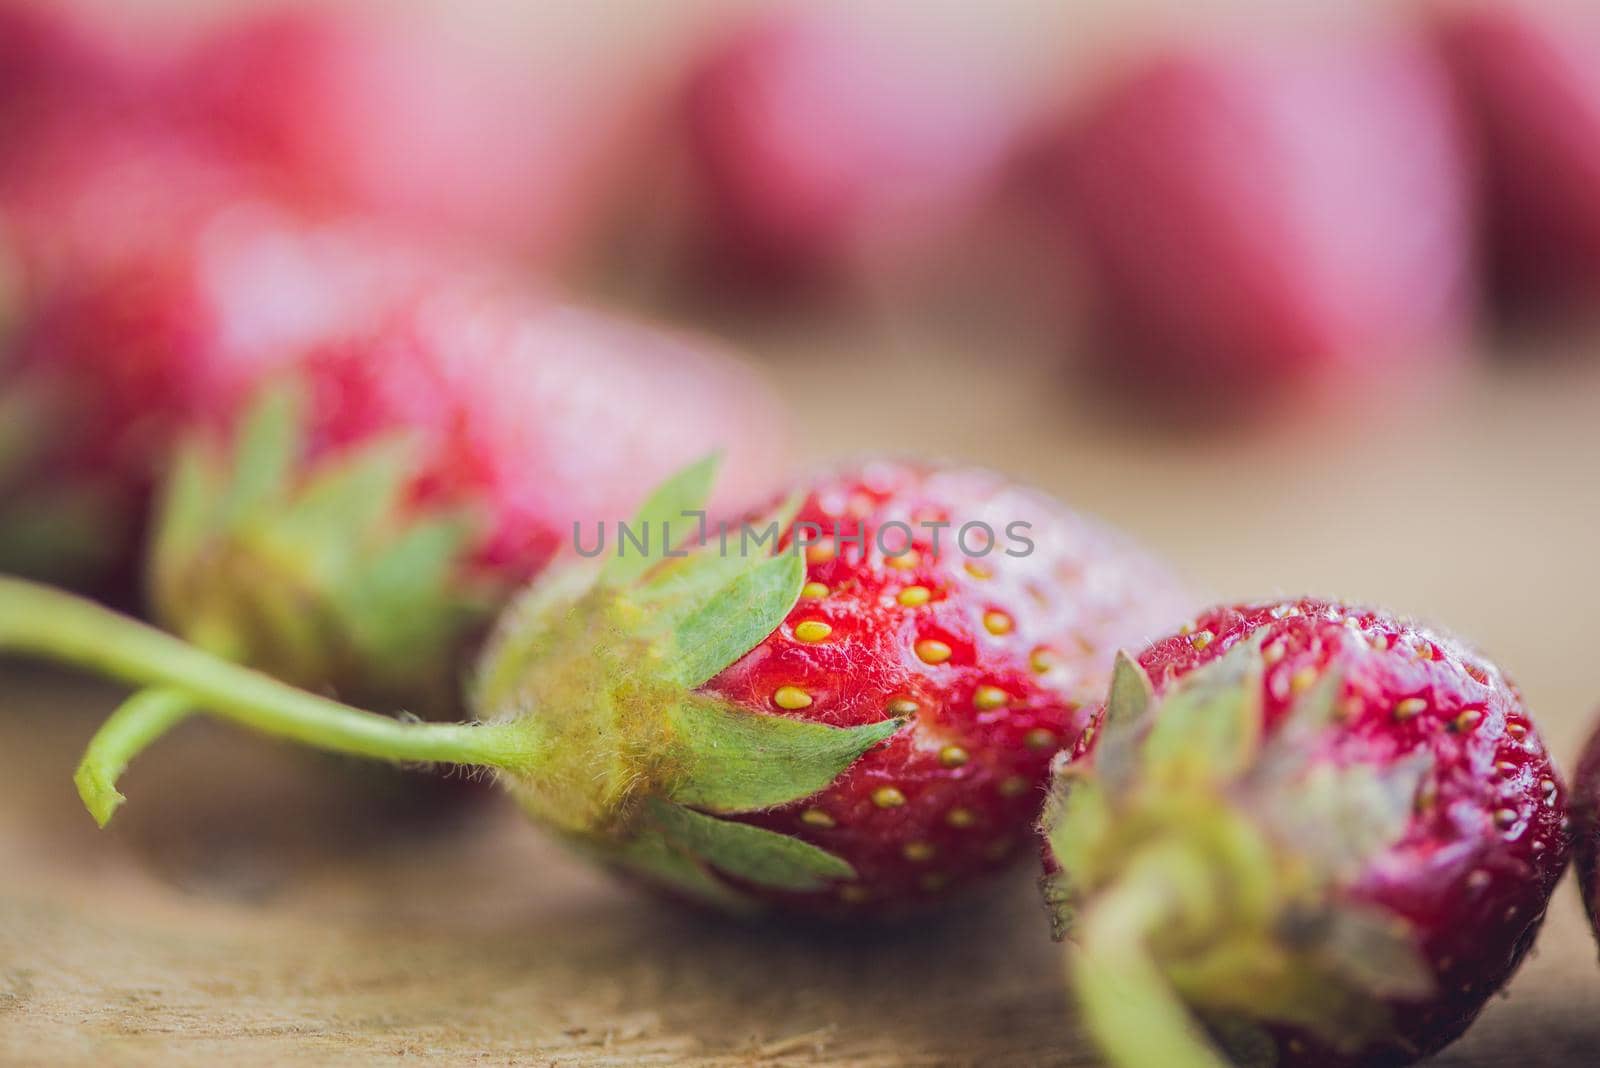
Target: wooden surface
[(262, 907)]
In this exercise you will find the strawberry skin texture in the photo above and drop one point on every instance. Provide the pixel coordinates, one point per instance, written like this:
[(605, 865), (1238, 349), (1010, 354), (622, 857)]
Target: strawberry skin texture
[(546, 415), (951, 796), (1475, 869), (1528, 81), (1247, 219), (810, 139)]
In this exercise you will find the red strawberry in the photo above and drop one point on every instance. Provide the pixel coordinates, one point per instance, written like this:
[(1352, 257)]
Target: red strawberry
[(56, 63), (1586, 817), (126, 262), (854, 728), (1304, 825), (990, 657), (352, 111), (161, 302), (1251, 217), (428, 462), (1529, 77), (812, 140)]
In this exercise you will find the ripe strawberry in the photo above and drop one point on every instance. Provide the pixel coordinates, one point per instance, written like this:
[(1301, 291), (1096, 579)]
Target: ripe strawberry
[(1252, 218), (125, 261), (811, 140), (1308, 826), (56, 63), (422, 467), (1586, 818), (350, 111), (990, 658), (829, 726), (1528, 79), (160, 302)]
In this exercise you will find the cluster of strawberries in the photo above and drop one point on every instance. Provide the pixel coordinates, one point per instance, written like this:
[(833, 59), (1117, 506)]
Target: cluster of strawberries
[(342, 464)]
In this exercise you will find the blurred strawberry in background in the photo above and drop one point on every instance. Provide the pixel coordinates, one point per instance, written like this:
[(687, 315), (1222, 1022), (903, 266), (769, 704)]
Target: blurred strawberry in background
[(58, 63), (1248, 217), (150, 287), (375, 111), (816, 141), (1529, 78)]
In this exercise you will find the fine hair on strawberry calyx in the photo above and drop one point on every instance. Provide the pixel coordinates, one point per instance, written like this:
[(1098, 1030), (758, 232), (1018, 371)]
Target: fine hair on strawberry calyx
[(586, 699), (1199, 867)]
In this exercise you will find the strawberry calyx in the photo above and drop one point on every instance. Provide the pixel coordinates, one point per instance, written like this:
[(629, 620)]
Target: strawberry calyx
[(318, 570), (1199, 866), (611, 659), (588, 697)]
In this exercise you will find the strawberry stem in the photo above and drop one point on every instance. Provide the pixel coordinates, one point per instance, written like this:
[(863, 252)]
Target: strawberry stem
[(141, 719), (53, 625), (1129, 1007)]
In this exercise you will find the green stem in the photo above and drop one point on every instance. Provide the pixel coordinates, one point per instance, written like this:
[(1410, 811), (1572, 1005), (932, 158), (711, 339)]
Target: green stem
[(143, 718), (58, 626), (1128, 1005)]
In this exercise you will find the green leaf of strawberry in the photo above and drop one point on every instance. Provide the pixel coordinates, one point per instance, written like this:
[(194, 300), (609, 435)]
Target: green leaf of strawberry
[(762, 857), (738, 762), (316, 568)]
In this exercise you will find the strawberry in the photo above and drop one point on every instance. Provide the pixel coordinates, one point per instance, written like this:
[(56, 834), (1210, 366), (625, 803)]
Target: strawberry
[(121, 248), (1322, 833), (164, 304), (422, 466), (351, 111), (1586, 817), (56, 63), (1252, 218), (812, 141), (1527, 78), (848, 719)]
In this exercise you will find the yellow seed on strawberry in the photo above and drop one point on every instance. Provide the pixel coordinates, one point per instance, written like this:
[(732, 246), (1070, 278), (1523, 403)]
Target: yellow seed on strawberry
[(904, 561), (815, 817), (1039, 738), (1014, 786), (915, 596), (960, 817), (933, 651), (997, 622), (812, 630), (953, 756), (918, 852), (888, 797), (989, 698), (815, 591), (792, 698), (903, 706), (1410, 707)]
